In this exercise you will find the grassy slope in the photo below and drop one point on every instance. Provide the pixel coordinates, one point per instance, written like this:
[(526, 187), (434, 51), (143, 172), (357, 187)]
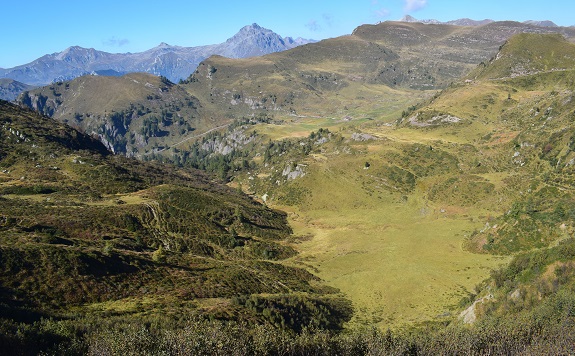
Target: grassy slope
[(371, 236)]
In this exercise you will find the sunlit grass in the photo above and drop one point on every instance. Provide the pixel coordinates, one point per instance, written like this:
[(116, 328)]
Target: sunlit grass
[(399, 261)]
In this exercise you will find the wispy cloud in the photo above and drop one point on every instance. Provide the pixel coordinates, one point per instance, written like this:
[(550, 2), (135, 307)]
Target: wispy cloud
[(414, 5), (379, 12), (328, 19), (313, 26), (116, 42), (317, 25)]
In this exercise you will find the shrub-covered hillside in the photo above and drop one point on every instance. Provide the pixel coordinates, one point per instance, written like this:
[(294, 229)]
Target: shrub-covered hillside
[(85, 235)]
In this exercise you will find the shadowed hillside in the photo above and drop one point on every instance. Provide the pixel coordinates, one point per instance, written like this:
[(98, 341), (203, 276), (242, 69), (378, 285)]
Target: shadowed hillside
[(131, 114)]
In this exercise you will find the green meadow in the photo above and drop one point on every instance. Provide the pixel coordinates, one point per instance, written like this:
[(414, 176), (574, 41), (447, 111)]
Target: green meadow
[(399, 262)]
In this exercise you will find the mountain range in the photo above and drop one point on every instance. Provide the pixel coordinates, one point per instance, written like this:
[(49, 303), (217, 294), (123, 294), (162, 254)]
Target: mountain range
[(390, 58), (172, 62)]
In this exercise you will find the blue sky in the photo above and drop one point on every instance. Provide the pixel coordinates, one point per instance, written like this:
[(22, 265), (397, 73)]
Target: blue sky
[(33, 28)]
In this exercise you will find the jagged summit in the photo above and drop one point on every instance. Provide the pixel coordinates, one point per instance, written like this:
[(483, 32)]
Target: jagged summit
[(254, 40), (408, 18), (251, 30), (254, 26)]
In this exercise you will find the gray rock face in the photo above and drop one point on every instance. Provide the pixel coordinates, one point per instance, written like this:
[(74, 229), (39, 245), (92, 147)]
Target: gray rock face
[(173, 62), (253, 41)]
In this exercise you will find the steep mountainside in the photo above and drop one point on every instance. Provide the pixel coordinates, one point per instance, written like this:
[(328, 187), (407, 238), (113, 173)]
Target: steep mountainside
[(173, 62), (517, 110), (515, 115)]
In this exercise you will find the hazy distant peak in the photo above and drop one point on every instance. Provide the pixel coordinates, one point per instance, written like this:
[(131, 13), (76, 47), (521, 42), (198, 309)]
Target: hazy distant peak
[(408, 18), (77, 53), (70, 50), (411, 19), (254, 26), (545, 23), (298, 41), (469, 22)]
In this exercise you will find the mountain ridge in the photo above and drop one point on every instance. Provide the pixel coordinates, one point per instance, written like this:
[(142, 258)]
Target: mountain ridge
[(470, 22), (173, 62)]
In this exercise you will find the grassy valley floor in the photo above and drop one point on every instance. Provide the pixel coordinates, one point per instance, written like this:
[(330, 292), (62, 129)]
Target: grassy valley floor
[(399, 263)]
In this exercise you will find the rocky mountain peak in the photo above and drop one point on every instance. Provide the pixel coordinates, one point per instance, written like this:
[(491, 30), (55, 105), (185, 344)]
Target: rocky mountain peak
[(408, 18), (70, 51), (250, 31), (254, 26), (470, 22)]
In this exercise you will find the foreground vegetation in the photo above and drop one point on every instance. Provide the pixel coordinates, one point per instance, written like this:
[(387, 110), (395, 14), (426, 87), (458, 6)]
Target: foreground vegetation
[(546, 327)]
